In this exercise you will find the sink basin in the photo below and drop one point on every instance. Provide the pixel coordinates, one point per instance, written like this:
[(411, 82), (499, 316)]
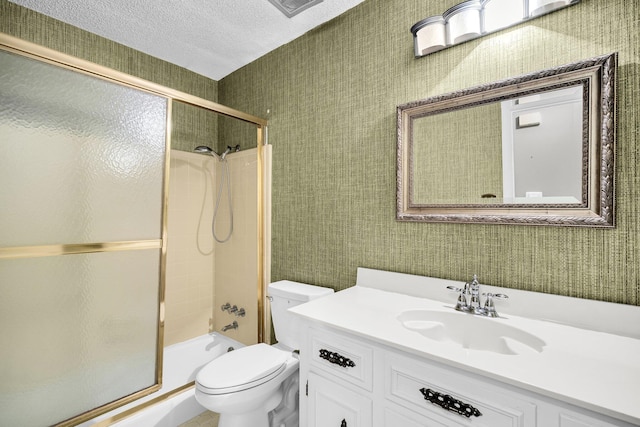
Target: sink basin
[(471, 331)]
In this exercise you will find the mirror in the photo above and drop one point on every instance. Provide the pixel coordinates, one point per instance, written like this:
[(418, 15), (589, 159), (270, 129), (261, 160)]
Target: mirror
[(535, 149)]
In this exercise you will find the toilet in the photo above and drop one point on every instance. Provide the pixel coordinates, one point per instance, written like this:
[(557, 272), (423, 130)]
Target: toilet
[(257, 385)]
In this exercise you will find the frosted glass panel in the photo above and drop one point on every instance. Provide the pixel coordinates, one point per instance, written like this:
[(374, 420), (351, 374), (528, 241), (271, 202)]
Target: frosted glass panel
[(81, 158), (76, 332)]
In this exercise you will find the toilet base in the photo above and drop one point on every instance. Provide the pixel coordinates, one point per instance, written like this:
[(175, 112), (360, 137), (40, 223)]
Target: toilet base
[(287, 412), (255, 418)]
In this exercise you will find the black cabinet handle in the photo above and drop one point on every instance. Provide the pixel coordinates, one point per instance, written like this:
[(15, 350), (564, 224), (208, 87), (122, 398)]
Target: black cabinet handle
[(449, 403), (343, 423), (336, 358)]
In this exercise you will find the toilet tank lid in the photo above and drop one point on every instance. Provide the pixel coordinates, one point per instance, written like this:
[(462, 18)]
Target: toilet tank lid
[(297, 291)]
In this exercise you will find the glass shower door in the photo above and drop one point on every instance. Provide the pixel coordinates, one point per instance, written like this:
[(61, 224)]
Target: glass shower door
[(82, 196)]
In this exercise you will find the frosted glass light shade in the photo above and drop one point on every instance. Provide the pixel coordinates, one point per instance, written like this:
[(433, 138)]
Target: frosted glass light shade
[(474, 18), (502, 13), (429, 35), (463, 21), (540, 7)]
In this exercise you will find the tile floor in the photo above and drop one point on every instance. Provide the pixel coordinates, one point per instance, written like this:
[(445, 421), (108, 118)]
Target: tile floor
[(206, 419)]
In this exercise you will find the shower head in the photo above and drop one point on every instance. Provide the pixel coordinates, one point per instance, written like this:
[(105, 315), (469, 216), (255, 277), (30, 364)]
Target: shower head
[(203, 149)]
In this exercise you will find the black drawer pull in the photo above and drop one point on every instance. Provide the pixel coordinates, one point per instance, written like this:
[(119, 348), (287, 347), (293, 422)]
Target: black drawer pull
[(449, 403), (337, 359), (343, 423)]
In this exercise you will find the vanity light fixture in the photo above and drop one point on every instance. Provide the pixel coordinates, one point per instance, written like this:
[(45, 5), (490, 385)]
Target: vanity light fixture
[(463, 21), (430, 35), (474, 18), (499, 14), (540, 7)]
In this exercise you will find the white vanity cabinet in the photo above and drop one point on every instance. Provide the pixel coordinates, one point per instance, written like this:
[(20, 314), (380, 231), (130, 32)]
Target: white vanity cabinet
[(354, 383), (348, 381), (392, 352), (339, 381)]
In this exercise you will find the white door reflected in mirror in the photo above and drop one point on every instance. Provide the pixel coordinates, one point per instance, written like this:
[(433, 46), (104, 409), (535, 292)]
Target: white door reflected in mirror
[(542, 147)]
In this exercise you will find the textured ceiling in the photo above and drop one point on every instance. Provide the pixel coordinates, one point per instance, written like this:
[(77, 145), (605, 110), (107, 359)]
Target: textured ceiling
[(209, 37)]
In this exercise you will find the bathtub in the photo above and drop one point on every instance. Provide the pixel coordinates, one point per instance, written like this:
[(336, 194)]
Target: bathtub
[(181, 363)]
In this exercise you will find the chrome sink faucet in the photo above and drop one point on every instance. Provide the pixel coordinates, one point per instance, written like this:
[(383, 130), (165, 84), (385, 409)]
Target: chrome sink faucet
[(474, 304), (474, 292)]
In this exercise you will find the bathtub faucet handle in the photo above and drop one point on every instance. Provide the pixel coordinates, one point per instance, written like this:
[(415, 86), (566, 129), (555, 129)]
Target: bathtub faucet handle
[(241, 312), (233, 309), (225, 307)]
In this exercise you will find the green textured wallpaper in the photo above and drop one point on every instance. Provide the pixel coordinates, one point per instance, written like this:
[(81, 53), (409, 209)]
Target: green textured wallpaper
[(331, 96), (464, 160), (193, 126)]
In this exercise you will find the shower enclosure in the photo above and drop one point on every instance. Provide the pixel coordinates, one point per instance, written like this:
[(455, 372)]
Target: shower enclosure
[(87, 288)]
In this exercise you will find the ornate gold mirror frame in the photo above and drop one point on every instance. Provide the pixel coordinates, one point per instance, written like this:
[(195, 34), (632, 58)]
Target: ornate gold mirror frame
[(596, 76)]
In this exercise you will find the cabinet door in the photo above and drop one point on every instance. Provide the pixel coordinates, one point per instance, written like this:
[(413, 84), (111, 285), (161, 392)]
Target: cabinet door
[(332, 405), (395, 416)]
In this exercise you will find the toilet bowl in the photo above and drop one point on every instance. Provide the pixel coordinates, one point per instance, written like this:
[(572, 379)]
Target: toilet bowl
[(245, 386)]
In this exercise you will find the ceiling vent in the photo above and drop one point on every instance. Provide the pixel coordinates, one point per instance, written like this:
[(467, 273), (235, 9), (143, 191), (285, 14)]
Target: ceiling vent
[(293, 7)]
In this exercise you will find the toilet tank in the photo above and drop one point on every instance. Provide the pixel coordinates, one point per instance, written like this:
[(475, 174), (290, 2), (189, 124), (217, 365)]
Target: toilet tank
[(284, 295)]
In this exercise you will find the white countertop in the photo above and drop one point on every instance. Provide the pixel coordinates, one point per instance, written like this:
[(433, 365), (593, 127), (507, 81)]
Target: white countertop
[(595, 370)]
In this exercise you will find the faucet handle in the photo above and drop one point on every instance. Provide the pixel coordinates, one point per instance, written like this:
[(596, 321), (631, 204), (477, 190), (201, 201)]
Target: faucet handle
[(461, 304), (474, 282), (489, 295), (489, 307), (225, 307)]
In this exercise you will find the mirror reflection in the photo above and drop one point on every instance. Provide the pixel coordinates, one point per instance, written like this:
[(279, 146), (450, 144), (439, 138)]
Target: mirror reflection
[(527, 149)]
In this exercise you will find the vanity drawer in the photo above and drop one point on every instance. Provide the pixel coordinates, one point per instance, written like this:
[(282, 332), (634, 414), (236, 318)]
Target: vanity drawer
[(396, 416), (346, 358), (410, 382)]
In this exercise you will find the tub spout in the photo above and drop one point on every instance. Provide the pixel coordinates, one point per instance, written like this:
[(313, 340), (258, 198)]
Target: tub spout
[(233, 325)]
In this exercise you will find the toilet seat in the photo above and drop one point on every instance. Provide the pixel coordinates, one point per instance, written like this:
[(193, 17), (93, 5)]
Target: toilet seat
[(241, 369)]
